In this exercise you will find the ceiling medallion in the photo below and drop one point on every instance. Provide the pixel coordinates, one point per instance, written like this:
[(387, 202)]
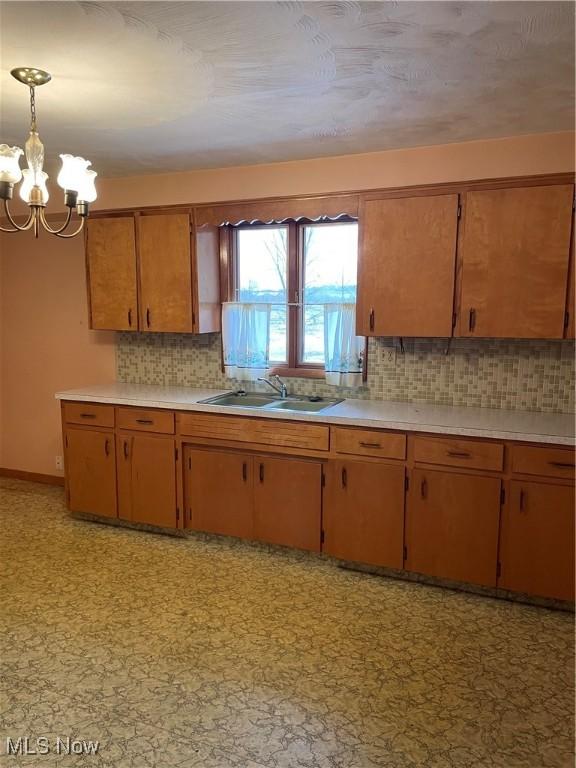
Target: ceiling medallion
[(74, 177)]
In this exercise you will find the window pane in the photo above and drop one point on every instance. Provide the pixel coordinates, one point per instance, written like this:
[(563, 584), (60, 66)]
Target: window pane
[(263, 276), (330, 256)]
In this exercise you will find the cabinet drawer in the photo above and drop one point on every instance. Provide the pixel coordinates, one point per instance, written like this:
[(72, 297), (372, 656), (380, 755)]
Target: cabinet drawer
[(89, 413), (459, 453), (262, 431), (369, 442), (146, 421), (548, 462)]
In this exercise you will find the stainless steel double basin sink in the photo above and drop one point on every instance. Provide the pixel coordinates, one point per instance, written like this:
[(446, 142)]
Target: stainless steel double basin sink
[(265, 402)]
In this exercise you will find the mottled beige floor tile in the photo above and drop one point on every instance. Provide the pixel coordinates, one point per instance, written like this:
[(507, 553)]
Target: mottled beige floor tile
[(214, 653)]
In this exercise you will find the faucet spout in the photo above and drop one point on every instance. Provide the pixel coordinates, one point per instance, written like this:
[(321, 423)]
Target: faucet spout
[(279, 386)]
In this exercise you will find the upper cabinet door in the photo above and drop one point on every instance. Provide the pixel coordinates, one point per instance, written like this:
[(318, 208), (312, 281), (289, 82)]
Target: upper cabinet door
[(165, 273), (206, 279), (111, 272), (514, 261), (406, 266)]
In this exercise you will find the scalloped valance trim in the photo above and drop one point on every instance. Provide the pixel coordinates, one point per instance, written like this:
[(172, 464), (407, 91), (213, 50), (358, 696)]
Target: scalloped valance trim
[(329, 208)]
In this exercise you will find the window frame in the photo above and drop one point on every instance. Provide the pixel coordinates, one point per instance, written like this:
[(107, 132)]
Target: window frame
[(295, 287)]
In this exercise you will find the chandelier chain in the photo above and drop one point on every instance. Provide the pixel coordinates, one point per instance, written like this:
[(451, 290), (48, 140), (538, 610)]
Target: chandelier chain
[(33, 108)]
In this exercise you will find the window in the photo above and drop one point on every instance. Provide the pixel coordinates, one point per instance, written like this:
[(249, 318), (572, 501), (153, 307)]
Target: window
[(297, 268)]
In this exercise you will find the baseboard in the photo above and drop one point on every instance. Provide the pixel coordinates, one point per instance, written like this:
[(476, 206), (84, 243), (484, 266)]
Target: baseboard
[(32, 477)]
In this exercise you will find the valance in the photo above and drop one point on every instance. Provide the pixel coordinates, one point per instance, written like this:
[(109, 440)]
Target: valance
[(274, 211)]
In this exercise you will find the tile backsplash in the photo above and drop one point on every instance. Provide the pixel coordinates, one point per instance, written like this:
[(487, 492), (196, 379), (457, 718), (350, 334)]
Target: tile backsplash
[(510, 374)]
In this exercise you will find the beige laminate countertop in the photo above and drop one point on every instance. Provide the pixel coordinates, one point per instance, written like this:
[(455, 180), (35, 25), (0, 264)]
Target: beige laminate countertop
[(554, 428)]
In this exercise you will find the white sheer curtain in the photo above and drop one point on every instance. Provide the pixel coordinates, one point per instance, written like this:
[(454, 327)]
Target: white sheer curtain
[(342, 348), (245, 339)]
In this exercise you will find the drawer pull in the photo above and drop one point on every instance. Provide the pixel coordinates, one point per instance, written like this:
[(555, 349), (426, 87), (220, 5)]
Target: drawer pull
[(88, 415), (370, 445), (344, 478), (561, 464), (459, 454), (144, 421), (424, 489)]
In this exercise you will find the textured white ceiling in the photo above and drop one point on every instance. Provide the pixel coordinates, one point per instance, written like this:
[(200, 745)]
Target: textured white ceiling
[(146, 87)]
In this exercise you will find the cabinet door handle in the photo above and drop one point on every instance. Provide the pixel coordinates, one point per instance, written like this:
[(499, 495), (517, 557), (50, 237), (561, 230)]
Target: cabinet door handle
[(344, 478), (244, 471), (125, 448), (522, 500), (130, 318), (370, 445), (107, 447), (561, 464), (371, 319), (424, 489), (148, 318), (88, 415), (472, 320), (144, 421), (261, 473), (459, 454)]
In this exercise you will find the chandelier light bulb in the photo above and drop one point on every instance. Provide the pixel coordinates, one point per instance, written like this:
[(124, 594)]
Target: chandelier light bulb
[(10, 171), (34, 181), (71, 176), (87, 192)]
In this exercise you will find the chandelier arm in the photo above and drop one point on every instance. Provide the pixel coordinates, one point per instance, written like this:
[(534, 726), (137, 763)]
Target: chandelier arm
[(49, 229), (17, 228), (59, 232)]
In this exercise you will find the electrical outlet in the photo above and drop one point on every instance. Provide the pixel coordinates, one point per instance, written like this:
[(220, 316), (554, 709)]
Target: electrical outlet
[(60, 462), (390, 355)]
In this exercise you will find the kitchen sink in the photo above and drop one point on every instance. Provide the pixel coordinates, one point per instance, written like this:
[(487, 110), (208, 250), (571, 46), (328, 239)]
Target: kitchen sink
[(304, 406), (294, 403), (242, 399)]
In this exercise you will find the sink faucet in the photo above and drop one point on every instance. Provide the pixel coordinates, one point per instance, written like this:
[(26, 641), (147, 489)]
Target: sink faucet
[(279, 387)]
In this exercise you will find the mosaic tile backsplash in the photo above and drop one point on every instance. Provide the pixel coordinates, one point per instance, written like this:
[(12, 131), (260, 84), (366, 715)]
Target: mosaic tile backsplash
[(516, 375)]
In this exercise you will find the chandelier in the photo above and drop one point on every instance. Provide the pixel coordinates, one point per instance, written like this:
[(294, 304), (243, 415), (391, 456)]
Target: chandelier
[(74, 177)]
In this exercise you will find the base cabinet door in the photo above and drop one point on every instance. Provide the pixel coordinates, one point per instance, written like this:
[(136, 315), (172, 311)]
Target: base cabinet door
[(147, 479), (452, 526), (219, 492), (288, 502), (537, 540), (363, 513), (91, 471)]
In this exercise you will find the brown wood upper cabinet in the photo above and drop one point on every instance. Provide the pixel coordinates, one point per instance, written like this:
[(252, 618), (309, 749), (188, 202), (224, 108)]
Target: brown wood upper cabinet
[(513, 258), (153, 272), (111, 273), (406, 266)]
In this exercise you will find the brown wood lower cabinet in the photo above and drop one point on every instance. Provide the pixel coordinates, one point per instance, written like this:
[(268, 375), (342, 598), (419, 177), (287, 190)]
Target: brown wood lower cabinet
[(147, 479), (288, 502), (452, 523), (537, 540), (272, 499), (219, 492), (91, 471), (363, 515)]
